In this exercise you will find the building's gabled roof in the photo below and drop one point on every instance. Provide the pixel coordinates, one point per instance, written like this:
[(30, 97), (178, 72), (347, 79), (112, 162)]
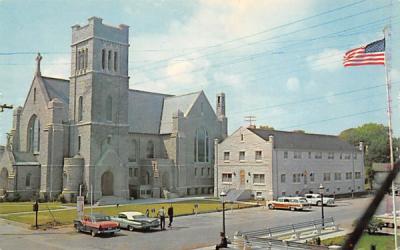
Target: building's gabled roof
[(174, 103), (144, 111), (24, 157), (56, 88), (300, 140)]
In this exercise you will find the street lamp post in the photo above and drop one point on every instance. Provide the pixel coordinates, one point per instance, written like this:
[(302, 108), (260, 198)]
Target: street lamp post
[(222, 195), (321, 192)]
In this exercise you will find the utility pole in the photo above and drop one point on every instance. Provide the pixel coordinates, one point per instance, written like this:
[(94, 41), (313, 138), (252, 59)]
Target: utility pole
[(250, 119), (5, 106)]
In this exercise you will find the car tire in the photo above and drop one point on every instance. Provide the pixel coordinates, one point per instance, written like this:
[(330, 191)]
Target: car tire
[(292, 209), (130, 228), (270, 206), (77, 229), (319, 203), (93, 233)]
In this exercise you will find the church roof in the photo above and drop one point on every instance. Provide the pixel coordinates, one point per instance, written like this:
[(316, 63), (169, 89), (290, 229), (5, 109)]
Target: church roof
[(144, 111), (151, 113), (300, 140), (57, 88), (24, 157), (172, 105)]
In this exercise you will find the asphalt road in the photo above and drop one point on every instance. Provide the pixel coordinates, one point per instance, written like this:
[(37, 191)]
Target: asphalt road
[(188, 232)]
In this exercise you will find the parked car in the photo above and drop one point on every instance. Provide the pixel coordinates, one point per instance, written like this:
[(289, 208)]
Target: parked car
[(315, 199), (96, 224), (292, 203), (135, 220)]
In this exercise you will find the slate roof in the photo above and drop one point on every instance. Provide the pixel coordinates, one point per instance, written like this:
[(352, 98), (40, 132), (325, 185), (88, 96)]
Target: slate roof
[(24, 157), (57, 88), (299, 140), (172, 105), (151, 113), (144, 111)]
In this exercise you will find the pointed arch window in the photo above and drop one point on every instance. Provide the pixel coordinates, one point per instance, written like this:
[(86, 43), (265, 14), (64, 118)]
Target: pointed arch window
[(34, 135), (132, 151), (201, 146), (150, 150), (86, 57), (103, 59), (109, 108), (28, 180), (80, 107), (109, 61)]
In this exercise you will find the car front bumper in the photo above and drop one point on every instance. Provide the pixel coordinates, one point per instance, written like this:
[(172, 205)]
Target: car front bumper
[(108, 231)]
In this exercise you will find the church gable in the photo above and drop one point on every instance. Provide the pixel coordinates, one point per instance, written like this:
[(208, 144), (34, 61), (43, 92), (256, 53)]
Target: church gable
[(201, 107)]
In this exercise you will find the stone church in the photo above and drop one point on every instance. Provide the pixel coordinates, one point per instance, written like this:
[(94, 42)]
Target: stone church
[(92, 132)]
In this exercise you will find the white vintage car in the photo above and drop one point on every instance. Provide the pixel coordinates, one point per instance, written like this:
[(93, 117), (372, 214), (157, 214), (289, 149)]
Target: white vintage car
[(135, 220), (315, 199)]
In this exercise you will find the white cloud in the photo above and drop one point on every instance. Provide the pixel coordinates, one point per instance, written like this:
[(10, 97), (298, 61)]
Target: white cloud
[(59, 67), (328, 59), (293, 84)]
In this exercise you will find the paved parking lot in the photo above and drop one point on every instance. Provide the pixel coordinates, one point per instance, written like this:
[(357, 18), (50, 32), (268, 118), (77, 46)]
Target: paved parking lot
[(188, 232)]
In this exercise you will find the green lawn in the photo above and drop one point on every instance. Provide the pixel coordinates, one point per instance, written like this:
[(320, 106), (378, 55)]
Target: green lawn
[(66, 217), (16, 207), (382, 242)]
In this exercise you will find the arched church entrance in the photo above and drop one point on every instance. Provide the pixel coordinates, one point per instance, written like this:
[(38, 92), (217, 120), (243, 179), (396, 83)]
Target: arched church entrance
[(3, 180), (107, 184)]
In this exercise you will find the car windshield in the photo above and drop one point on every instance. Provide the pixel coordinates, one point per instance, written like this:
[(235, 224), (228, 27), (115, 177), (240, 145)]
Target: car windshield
[(139, 217), (101, 218), (302, 200)]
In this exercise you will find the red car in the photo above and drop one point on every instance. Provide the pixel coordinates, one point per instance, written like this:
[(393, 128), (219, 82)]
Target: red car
[(96, 224)]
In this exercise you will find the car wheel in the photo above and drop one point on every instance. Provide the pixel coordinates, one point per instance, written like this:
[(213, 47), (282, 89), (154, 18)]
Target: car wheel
[(130, 228), (319, 203), (270, 206), (292, 209), (77, 229), (93, 233)]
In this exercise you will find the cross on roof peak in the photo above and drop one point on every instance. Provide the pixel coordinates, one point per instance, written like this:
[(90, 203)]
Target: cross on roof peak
[(38, 59)]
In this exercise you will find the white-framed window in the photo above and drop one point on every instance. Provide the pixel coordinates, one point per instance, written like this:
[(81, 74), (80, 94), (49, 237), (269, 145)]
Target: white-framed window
[(349, 175), (331, 155), (338, 176), (258, 178), (296, 155), (296, 178), (202, 171), (285, 154), (227, 177), (258, 155), (318, 155), (309, 155), (195, 171), (226, 156), (283, 178), (327, 176), (312, 177), (357, 175), (242, 155), (136, 172)]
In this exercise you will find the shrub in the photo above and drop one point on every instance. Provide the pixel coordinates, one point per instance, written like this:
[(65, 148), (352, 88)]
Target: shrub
[(374, 225)]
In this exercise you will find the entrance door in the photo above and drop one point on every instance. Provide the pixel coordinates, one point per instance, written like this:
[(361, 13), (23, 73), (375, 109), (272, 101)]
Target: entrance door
[(107, 184)]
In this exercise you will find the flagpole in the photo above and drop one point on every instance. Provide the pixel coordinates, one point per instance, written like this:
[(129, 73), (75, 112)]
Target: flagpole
[(387, 34)]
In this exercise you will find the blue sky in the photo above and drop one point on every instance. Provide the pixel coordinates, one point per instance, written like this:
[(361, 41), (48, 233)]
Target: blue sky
[(279, 60)]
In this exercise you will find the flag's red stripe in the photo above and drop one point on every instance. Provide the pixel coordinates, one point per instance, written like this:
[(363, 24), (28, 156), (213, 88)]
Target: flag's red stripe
[(361, 64), (364, 59), (348, 52), (366, 55), (360, 50)]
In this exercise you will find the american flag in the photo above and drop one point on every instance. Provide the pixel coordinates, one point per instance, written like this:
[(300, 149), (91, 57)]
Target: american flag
[(371, 54)]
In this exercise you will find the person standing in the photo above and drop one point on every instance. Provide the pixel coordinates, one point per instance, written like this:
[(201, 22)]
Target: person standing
[(147, 213), (161, 215), (170, 215)]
